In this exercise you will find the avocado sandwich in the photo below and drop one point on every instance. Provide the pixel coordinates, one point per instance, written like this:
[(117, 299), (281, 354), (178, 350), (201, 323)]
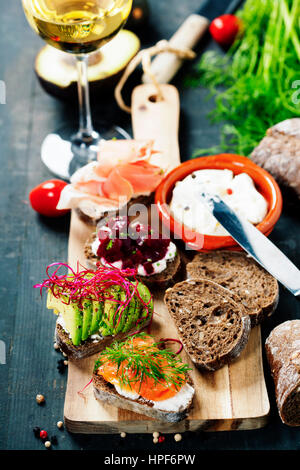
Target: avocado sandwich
[(95, 307)]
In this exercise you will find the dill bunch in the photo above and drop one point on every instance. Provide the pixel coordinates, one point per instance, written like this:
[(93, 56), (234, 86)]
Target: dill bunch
[(255, 83), (136, 364)]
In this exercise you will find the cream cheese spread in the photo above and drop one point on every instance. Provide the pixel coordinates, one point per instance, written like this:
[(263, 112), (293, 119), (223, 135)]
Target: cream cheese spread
[(239, 192), (176, 403)]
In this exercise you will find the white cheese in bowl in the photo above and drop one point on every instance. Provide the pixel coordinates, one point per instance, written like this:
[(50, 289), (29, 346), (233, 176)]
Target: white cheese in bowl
[(239, 192)]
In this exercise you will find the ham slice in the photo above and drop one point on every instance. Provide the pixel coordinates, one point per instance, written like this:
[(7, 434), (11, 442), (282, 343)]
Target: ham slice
[(123, 170)]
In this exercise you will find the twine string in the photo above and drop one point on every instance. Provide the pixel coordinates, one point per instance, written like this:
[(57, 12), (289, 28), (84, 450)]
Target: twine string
[(144, 57)]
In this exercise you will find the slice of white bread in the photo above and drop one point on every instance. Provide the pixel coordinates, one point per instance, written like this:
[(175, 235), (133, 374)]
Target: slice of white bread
[(211, 321), (256, 288), (106, 392), (161, 280)]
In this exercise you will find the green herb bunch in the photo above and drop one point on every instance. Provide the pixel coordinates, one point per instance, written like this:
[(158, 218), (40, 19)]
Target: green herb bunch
[(150, 361), (255, 83)]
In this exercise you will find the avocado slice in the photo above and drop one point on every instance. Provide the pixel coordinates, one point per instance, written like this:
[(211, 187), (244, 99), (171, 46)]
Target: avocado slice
[(97, 316), (57, 71), (72, 316), (145, 296), (109, 310), (123, 313), (87, 306), (133, 308)]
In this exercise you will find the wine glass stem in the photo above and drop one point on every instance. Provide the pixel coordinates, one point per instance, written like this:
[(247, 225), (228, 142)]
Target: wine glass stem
[(85, 117)]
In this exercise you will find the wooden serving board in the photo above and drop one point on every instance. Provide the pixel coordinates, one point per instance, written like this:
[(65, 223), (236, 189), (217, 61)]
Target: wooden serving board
[(234, 397)]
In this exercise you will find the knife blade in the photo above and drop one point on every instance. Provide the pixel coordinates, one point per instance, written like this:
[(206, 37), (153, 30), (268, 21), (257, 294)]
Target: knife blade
[(255, 243), (165, 66)]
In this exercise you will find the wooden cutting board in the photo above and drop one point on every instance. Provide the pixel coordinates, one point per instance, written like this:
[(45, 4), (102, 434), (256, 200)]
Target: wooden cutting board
[(234, 397)]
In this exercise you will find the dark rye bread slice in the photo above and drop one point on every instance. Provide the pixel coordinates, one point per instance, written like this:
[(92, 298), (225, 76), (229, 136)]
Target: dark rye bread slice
[(90, 346), (283, 354), (91, 214), (211, 322), (106, 392), (256, 288), (161, 280)]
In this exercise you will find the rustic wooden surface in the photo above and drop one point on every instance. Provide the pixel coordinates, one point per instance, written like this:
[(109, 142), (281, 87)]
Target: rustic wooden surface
[(29, 243), (234, 397)]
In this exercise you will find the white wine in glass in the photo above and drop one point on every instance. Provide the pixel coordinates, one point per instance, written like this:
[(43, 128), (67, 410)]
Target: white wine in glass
[(78, 27)]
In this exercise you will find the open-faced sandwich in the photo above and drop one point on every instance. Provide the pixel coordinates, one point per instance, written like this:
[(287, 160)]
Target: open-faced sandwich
[(95, 307), (127, 172), (142, 376), (123, 244)]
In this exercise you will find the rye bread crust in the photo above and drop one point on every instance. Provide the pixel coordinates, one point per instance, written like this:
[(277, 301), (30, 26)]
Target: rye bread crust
[(161, 280), (91, 216), (211, 322), (283, 354), (106, 392), (256, 288), (88, 347), (279, 153)]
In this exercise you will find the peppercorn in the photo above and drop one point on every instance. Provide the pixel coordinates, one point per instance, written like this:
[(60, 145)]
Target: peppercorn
[(61, 366), (36, 431), (155, 440), (53, 440), (40, 399), (156, 435), (123, 434), (43, 434), (48, 444), (178, 437), (161, 439), (59, 424)]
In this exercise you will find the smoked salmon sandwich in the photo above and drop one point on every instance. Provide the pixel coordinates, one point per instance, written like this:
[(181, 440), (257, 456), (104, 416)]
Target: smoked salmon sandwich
[(143, 376)]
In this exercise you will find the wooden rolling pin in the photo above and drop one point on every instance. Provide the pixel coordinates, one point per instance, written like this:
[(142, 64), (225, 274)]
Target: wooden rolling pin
[(166, 65)]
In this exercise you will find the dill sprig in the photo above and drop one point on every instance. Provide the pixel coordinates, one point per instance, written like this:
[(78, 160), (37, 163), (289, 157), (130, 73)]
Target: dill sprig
[(255, 84), (150, 361)]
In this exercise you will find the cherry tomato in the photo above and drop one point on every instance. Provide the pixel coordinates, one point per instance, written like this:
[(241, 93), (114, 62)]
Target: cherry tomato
[(224, 29), (44, 198)]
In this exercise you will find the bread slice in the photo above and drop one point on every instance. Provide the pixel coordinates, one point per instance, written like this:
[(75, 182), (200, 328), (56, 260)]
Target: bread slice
[(89, 347), (257, 289), (160, 280), (91, 214), (106, 392), (212, 324)]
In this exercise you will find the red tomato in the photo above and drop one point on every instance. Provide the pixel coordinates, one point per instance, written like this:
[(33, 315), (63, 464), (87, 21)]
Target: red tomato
[(44, 198), (224, 29)]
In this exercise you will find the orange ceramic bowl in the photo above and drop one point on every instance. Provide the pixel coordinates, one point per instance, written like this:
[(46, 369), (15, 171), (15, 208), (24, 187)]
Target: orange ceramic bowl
[(264, 183)]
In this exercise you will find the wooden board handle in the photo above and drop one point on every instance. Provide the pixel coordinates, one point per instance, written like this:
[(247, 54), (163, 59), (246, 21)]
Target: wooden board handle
[(166, 65), (157, 120)]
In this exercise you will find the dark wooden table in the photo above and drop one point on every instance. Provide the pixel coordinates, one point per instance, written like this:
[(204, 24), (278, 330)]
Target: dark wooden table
[(29, 243)]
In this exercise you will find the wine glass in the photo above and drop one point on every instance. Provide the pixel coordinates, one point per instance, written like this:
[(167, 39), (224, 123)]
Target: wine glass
[(77, 27)]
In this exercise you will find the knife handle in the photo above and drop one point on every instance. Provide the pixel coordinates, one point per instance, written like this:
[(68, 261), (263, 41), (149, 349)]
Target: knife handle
[(166, 65)]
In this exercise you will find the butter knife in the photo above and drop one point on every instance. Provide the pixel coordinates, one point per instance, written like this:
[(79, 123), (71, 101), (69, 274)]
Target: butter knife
[(255, 243)]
